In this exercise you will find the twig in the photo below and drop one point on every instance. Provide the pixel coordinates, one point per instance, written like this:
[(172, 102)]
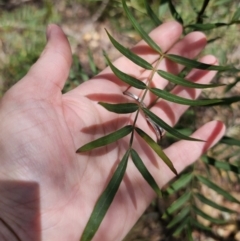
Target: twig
[(100, 11)]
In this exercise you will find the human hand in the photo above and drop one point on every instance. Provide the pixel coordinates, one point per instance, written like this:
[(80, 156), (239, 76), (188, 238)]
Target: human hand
[(48, 191)]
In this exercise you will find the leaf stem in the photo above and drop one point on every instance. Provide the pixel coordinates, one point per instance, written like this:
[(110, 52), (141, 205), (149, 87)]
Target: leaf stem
[(154, 70)]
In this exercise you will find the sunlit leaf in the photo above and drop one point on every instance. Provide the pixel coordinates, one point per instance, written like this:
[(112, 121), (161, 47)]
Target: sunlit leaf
[(207, 217), (156, 148), (151, 14), (125, 77), (174, 12), (144, 171), (120, 108), (166, 127), (236, 15), (178, 203), (221, 165), (180, 183), (139, 29), (179, 217), (129, 54), (213, 204), (183, 101), (105, 140), (105, 200), (183, 82), (230, 141), (198, 65), (217, 189)]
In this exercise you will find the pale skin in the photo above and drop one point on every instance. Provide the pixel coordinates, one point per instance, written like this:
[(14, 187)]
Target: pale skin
[(48, 191)]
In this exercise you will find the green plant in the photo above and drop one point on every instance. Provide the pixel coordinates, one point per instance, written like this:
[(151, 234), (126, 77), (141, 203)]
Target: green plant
[(21, 39), (185, 219)]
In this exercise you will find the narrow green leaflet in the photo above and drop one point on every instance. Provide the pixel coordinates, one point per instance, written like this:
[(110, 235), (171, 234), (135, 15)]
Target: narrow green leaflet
[(198, 65), (198, 225), (157, 149), (125, 77), (183, 82), (174, 12), (207, 26), (183, 101), (209, 202), (236, 15), (230, 86), (230, 141), (178, 203), (180, 183), (151, 14), (227, 101), (179, 228), (129, 54), (167, 127), (92, 65), (179, 217), (123, 108), (217, 189), (221, 165), (207, 217), (105, 200), (144, 171), (189, 233), (139, 29), (108, 139)]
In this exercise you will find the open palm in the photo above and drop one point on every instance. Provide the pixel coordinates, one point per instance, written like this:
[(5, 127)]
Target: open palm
[(41, 129)]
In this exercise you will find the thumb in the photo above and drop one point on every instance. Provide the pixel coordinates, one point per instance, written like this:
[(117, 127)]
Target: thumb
[(48, 75)]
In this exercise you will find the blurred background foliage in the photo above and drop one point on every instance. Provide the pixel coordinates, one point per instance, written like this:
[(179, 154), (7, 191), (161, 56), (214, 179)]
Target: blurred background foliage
[(22, 38)]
